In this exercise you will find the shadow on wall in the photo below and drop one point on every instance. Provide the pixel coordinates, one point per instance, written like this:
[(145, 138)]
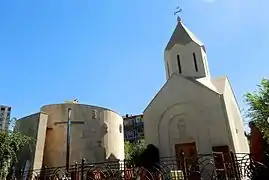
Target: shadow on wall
[(99, 152), (25, 159)]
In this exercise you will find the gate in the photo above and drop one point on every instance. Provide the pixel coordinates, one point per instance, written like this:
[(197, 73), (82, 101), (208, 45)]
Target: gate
[(216, 166)]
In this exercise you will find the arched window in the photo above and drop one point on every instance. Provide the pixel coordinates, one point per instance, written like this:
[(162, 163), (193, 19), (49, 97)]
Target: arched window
[(179, 65), (195, 62)]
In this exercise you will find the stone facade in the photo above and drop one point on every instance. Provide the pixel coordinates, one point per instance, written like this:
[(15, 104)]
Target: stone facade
[(34, 126), (193, 112), (96, 134)]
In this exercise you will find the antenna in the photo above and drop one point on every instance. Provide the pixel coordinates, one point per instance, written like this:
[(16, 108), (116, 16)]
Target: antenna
[(178, 10)]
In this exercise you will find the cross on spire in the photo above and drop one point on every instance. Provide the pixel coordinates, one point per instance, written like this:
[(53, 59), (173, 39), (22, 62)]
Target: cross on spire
[(178, 10)]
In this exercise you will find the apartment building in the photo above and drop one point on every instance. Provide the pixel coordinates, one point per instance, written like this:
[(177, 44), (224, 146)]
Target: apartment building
[(4, 117), (133, 127)]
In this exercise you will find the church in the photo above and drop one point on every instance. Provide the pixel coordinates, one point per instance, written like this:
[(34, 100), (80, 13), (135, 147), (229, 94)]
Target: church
[(193, 112), (65, 133)]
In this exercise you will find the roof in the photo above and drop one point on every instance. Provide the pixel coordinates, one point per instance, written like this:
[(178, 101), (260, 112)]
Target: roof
[(78, 104), (182, 35), (132, 116), (190, 79)]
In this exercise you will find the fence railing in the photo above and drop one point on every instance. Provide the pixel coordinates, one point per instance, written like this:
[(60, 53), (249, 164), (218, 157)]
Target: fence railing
[(216, 166)]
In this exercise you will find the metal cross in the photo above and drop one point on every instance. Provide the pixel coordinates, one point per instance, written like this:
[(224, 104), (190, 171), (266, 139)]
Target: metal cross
[(178, 10), (68, 122)]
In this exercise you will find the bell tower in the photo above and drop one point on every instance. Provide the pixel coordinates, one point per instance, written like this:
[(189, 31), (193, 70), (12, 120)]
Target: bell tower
[(185, 54)]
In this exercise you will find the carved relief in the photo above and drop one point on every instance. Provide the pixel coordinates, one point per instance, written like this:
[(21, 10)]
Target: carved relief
[(104, 128), (94, 114), (181, 126)]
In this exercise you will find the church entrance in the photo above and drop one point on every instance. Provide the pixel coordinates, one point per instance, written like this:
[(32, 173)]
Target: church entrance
[(189, 160)]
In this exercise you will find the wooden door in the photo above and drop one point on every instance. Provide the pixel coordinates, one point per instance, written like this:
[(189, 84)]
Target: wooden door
[(190, 156), (223, 161)]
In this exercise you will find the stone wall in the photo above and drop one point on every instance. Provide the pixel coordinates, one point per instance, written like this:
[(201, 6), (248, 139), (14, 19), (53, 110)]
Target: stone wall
[(35, 127), (96, 134)]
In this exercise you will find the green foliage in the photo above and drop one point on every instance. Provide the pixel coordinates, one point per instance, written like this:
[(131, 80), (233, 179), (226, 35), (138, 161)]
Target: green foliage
[(258, 111), (11, 143), (134, 150), (127, 150)]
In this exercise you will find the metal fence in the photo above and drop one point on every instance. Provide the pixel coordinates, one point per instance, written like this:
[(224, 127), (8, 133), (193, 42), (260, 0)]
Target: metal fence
[(216, 166)]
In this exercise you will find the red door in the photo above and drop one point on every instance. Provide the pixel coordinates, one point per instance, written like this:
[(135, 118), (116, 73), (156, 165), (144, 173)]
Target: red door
[(190, 157)]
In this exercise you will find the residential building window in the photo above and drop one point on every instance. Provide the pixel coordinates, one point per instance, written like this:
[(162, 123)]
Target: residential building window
[(8, 116), (138, 120), (179, 65), (195, 62), (2, 109)]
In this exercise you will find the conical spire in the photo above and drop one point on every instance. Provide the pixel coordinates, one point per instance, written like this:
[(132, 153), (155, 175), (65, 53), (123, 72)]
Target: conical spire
[(182, 35)]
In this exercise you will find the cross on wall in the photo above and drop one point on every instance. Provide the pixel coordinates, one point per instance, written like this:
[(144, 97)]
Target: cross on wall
[(68, 123)]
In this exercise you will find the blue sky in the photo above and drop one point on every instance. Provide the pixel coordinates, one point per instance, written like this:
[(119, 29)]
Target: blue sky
[(110, 53)]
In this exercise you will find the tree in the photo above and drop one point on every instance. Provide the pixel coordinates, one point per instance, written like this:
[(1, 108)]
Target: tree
[(258, 111), (134, 150), (11, 143)]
